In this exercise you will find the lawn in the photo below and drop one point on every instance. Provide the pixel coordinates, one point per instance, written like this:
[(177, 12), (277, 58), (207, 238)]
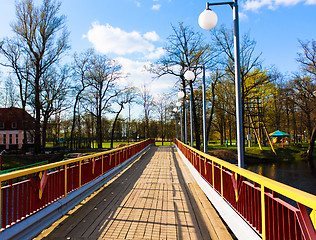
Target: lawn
[(164, 143), (254, 153)]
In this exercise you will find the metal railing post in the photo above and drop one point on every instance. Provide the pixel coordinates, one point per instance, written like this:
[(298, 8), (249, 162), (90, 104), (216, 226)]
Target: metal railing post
[(263, 213), (65, 180)]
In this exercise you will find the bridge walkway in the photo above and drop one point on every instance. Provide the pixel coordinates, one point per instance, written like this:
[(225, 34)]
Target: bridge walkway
[(156, 197)]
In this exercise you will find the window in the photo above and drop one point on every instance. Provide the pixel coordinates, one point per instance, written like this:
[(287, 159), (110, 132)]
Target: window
[(16, 138), (13, 125), (1, 125), (10, 138), (4, 141)]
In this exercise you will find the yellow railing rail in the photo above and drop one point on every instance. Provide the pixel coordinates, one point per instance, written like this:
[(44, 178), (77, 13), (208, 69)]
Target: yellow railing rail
[(24, 172), (302, 197), (43, 169)]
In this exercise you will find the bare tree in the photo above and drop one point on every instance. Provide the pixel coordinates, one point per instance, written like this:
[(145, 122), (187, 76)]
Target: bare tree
[(185, 50), (10, 93), (148, 103), (251, 65), (53, 96), (101, 79), (21, 67), (163, 108), (81, 66), (41, 39), (125, 96), (307, 60), (211, 98)]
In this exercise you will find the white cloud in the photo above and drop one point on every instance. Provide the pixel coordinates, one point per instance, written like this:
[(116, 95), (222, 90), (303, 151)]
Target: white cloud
[(255, 5), (310, 2), (156, 7), (138, 4), (138, 75), (152, 36), (155, 54), (243, 16), (135, 71), (108, 39)]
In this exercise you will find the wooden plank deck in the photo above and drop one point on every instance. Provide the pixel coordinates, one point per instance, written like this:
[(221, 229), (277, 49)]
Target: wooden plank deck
[(155, 198)]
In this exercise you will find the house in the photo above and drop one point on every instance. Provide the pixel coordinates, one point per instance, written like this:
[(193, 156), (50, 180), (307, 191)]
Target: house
[(11, 128)]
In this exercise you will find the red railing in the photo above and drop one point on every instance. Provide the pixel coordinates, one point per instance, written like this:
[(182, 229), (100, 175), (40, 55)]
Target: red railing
[(257, 198), (27, 191)]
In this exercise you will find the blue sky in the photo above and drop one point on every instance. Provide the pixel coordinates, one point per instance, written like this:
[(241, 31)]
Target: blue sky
[(134, 31)]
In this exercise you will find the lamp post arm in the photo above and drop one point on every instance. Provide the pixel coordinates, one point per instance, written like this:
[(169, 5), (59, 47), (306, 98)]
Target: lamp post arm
[(231, 4)]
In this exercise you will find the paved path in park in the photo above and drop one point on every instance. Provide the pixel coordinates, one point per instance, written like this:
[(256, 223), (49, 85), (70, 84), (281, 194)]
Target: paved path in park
[(155, 198)]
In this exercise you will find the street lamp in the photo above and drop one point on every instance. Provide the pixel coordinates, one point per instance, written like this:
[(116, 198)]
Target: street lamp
[(175, 110), (181, 95), (189, 75), (208, 20), (178, 104)]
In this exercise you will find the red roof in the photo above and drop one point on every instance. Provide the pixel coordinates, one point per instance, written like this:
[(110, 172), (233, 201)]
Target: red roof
[(11, 119)]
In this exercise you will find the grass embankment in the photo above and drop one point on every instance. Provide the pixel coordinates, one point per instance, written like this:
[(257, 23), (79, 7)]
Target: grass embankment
[(255, 154), (10, 161)]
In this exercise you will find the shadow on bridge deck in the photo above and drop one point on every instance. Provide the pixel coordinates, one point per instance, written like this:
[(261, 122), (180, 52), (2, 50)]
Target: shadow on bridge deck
[(155, 198)]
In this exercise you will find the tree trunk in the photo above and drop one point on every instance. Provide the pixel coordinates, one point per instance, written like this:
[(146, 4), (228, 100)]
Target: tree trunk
[(99, 131), (24, 144), (114, 123), (73, 122), (311, 146), (208, 130), (44, 131), (37, 140)]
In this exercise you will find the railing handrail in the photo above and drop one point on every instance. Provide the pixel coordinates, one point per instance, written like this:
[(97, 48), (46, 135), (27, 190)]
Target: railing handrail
[(24, 172), (307, 199), (22, 167)]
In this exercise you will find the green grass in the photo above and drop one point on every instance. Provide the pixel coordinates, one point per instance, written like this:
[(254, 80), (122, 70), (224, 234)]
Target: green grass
[(287, 153), (164, 143), (108, 144), (17, 161)]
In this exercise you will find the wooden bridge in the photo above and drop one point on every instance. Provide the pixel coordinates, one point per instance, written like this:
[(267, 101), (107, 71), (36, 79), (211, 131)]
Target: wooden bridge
[(155, 198), (146, 192)]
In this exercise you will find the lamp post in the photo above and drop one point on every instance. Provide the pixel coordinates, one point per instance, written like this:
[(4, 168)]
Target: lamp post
[(208, 20), (189, 76), (191, 119), (175, 110), (181, 96), (178, 104)]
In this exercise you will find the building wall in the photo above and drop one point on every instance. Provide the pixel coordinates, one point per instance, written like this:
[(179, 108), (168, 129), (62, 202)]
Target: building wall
[(12, 137)]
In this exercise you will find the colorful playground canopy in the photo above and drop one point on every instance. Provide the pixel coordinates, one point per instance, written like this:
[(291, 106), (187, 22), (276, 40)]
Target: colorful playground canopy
[(278, 133)]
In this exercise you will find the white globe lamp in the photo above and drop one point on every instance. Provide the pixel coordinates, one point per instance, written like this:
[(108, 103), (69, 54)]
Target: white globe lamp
[(178, 104), (207, 19), (180, 94), (189, 75)]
